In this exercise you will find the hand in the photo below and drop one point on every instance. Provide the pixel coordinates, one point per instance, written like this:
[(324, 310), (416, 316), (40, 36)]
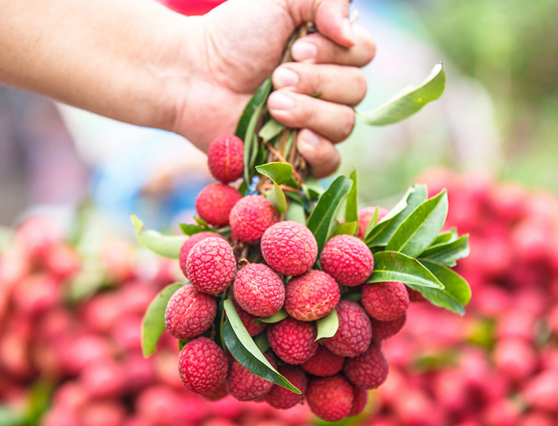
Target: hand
[(229, 53)]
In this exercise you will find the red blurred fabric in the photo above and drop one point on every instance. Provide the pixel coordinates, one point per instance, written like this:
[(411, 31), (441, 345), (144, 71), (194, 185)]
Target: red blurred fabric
[(192, 7)]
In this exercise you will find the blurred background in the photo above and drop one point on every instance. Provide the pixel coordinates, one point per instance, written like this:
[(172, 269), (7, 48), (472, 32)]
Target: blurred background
[(70, 179)]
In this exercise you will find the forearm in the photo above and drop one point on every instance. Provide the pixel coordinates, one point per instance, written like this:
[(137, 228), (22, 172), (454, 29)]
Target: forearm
[(110, 57)]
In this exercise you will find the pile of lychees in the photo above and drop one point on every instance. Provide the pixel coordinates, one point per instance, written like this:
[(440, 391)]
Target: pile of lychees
[(285, 279)]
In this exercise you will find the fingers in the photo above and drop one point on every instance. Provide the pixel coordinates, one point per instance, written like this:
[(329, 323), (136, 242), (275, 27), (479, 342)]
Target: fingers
[(318, 49), (333, 121), (334, 83), (320, 153)]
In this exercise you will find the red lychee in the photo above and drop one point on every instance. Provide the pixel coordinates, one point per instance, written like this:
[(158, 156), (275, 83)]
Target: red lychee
[(385, 301), (258, 290), (293, 341), (289, 248), (354, 333), (250, 218), (330, 398), (282, 398), (324, 363), (211, 265), (189, 245), (189, 313), (217, 394), (383, 330), (415, 296), (225, 158), (248, 321), (244, 385), (311, 296), (368, 370), (348, 260), (215, 202), (202, 365), (360, 400), (365, 216)]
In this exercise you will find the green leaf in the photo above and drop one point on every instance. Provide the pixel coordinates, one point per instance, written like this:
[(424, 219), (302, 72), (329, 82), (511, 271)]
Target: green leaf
[(10, 417), (447, 253), (351, 207), (201, 222), (258, 99), (153, 324), (456, 294), (164, 245), (262, 342), (393, 266), (328, 325), (271, 129), (190, 230), (382, 233), (324, 213), (277, 198), (279, 316), (422, 227), (246, 352), (349, 228), (313, 188), (296, 213), (280, 173), (446, 237), (409, 101), (373, 222)]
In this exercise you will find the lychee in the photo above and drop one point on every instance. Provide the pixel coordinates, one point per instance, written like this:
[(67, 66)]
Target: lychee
[(225, 158), (383, 330), (293, 341), (211, 265), (189, 313), (215, 202), (189, 244), (348, 260), (311, 296), (385, 301), (330, 398), (360, 401), (258, 290), (250, 218), (354, 333), (415, 296), (282, 398), (202, 365), (365, 216), (244, 385), (217, 394), (289, 248), (324, 363), (248, 321), (368, 370)]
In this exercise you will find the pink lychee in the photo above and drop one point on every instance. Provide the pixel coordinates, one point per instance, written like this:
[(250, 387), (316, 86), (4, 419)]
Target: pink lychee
[(244, 385), (360, 401), (348, 260), (383, 330), (215, 202), (324, 363), (189, 244), (251, 217), (258, 290), (202, 365), (225, 158), (282, 398), (311, 296), (248, 321), (211, 265), (385, 301), (330, 398), (368, 370), (189, 313), (293, 341), (354, 333)]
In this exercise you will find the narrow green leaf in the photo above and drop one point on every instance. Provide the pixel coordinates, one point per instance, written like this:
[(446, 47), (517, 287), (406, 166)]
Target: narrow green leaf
[(456, 294), (201, 222), (279, 316), (296, 213), (393, 266), (446, 237), (409, 101), (373, 222), (351, 207), (422, 227), (324, 213), (258, 99), (313, 188), (153, 324), (245, 351), (349, 228), (194, 229), (164, 245), (328, 325), (262, 342), (271, 129), (447, 253), (280, 173), (277, 198)]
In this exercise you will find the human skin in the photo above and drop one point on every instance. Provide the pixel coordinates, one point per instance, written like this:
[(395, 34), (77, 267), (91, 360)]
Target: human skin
[(139, 62)]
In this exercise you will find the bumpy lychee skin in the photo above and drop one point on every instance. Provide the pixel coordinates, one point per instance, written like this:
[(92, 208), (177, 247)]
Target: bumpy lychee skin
[(385, 301), (324, 363), (383, 330), (225, 158), (251, 217), (211, 265), (189, 313), (415, 296), (258, 290), (283, 399), (348, 260), (330, 398), (189, 244), (360, 400), (217, 394), (354, 333), (289, 248), (215, 202), (293, 341), (369, 370), (365, 216), (202, 365), (248, 321), (311, 296), (246, 386)]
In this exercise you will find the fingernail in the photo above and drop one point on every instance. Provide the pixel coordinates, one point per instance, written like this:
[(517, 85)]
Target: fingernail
[(303, 51), (280, 101), (347, 30), (307, 140), (284, 77)]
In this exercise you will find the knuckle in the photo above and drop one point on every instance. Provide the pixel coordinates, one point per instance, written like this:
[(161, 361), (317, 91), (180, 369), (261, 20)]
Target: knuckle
[(361, 86)]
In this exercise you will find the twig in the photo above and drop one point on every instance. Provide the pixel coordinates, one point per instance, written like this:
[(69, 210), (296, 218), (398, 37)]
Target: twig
[(283, 187)]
